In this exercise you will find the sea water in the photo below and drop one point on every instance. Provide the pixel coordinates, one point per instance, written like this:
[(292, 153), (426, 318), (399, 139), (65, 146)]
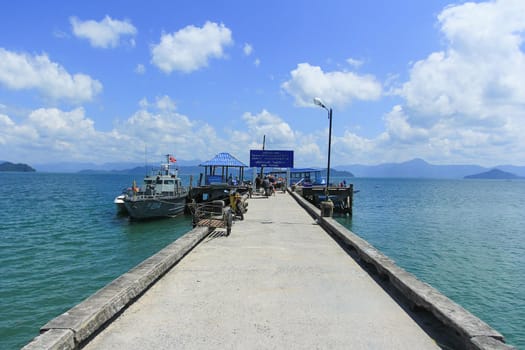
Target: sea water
[(464, 237), (61, 241)]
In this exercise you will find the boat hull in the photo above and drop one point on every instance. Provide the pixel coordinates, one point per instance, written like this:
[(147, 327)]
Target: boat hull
[(119, 203), (142, 209)]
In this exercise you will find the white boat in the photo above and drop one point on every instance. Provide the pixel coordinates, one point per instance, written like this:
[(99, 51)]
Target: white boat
[(119, 202)]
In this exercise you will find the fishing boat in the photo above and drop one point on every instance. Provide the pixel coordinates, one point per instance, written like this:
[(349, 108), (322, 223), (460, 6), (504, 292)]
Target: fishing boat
[(160, 195)]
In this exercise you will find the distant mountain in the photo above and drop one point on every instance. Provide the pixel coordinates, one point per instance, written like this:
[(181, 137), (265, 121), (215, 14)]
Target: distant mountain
[(144, 170), (518, 170), (86, 167), (495, 174), (71, 167), (337, 173), (132, 171), (416, 168), (8, 166), (195, 170)]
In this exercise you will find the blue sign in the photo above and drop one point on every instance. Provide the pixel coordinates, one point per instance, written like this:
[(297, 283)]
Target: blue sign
[(271, 159)]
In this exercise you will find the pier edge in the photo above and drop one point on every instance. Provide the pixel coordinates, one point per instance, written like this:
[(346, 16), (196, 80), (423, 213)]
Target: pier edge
[(475, 333), (77, 325)]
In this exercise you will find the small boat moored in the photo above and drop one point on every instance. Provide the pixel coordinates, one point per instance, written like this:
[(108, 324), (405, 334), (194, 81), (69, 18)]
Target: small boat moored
[(160, 195), (119, 202)]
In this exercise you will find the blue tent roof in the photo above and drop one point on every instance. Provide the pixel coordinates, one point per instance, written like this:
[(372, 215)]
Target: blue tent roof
[(224, 159)]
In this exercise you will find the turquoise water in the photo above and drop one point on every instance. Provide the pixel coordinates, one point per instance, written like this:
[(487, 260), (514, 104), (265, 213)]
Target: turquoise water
[(464, 237), (60, 241)]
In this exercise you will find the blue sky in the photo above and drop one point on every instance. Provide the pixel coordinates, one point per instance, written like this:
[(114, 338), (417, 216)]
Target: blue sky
[(102, 81)]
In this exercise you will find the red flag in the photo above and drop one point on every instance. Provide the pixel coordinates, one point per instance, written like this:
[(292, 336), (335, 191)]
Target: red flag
[(172, 159)]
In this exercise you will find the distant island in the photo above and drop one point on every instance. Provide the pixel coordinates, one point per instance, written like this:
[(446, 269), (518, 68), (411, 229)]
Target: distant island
[(415, 168), (494, 174), (143, 170), (7, 166), (337, 173), (189, 170)]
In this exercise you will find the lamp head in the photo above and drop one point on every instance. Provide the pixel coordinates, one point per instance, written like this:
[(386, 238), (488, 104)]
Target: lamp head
[(318, 102)]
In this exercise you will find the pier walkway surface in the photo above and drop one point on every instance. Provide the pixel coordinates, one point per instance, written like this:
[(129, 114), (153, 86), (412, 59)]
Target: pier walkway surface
[(278, 281)]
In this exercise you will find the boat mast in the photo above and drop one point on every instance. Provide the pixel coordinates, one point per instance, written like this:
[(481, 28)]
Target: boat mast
[(167, 164), (146, 158)]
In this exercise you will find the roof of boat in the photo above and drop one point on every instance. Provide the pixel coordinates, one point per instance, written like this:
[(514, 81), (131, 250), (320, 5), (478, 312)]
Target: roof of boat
[(224, 159)]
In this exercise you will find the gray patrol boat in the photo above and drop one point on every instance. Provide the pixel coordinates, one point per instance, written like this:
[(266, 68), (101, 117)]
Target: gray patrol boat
[(160, 195)]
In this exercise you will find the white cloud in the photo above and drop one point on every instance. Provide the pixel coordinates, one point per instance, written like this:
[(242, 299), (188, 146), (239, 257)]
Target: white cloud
[(143, 103), (50, 134), (248, 49), (473, 90), (47, 134), (12, 134), (398, 128), (163, 130), (104, 34), (351, 148), (140, 69), (354, 63), (278, 132), (20, 71), (6, 121), (165, 124), (257, 62), (191, 48), (55, 123), (310, 149), (6, 124), (481, 69), (60, 34), (334, 88), (165, 103), (278, 135), (463, 104)]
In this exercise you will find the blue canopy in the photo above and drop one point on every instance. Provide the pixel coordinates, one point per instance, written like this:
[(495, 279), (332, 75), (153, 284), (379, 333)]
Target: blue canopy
[(224, 159)]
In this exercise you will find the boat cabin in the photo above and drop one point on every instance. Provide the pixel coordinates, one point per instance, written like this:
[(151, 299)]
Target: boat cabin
[(162, 183)]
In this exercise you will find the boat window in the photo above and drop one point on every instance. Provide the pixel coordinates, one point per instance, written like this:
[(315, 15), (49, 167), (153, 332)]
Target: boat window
[(148, 182), (169, 182)]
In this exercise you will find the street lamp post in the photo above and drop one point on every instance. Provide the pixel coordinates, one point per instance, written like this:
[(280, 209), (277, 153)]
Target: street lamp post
[(320, 103)]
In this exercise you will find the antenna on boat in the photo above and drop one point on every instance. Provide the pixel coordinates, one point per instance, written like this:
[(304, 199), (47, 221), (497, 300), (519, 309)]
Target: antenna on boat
[(146, 157)]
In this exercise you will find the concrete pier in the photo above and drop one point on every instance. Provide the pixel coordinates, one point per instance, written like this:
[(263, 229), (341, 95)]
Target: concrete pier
[(279, 281)]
